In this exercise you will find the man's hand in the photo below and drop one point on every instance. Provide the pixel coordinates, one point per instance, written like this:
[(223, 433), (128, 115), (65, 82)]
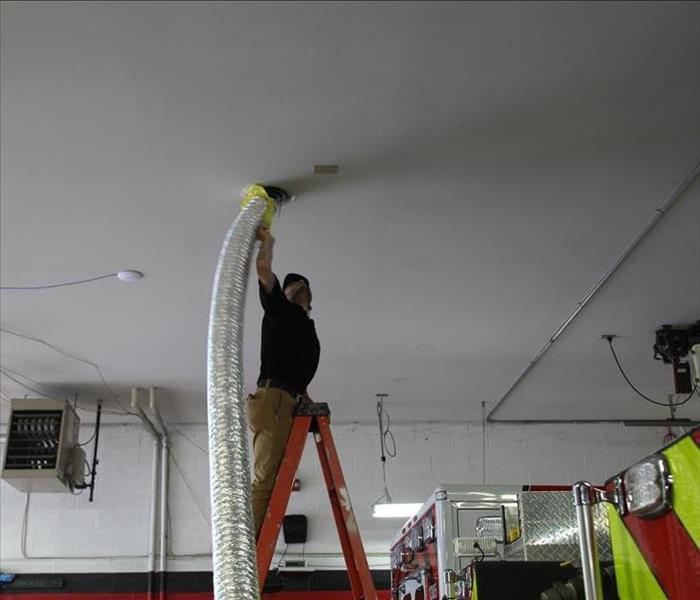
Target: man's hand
[(263, 234)]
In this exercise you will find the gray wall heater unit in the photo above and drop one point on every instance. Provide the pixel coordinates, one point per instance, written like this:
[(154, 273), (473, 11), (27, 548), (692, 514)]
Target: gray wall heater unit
[(41, 451)]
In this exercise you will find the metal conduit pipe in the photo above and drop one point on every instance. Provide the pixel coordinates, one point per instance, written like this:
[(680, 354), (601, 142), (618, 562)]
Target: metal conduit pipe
[(233, 534), (152, 537), (164, 473), (155, 466), (641, 234), (147, 423)]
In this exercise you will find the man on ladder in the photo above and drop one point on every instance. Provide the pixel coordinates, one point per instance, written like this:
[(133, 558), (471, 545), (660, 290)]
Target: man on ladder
[(289, 358), (281, 415)]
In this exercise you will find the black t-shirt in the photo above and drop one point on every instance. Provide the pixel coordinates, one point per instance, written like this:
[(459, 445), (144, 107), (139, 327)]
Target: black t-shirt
[(290, 348)]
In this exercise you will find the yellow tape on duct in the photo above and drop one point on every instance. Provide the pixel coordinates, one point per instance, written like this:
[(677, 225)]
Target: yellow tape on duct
[(684, 464), (258, 191), (635, 580)]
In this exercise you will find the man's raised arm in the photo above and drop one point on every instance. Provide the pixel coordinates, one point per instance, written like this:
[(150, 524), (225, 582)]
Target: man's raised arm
[(263, 262)]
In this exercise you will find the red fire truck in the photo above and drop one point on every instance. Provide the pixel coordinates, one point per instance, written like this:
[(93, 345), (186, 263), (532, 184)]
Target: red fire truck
[(634, 538)]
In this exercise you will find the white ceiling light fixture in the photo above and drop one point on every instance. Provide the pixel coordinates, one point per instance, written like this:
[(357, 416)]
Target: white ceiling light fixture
[(129, 275)]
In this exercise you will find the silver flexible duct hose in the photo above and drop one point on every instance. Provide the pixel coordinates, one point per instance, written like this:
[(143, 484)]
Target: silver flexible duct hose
[(233, 534)]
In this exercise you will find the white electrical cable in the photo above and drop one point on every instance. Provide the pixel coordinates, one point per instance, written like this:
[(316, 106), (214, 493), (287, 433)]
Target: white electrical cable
[(22, 375), (26, 556), (23, 533), (127, 275), (4, 397), (171, 555), (187, 438), (25, 527), (386, 440), (190, 488), (55, 285), (7, 373), (72, 356)]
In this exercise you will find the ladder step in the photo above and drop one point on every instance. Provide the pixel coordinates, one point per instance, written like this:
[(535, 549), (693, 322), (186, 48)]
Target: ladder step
[(312, 409)]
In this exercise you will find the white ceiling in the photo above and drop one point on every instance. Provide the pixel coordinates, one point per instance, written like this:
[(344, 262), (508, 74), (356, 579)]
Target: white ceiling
[(495, 159)]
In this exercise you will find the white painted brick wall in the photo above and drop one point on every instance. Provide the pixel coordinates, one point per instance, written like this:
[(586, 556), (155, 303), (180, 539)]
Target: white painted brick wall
[(62, 526)]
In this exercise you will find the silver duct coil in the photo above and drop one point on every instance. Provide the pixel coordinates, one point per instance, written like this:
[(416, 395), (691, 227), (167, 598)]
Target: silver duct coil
[(233, 534)]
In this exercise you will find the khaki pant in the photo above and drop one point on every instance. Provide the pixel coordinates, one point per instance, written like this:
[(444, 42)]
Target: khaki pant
[(270, 415)]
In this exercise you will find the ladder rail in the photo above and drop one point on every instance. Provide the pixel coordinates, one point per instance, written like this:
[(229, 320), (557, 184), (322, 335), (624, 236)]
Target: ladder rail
[(353, 575), (343, 500), (267, 540), (314, 418)]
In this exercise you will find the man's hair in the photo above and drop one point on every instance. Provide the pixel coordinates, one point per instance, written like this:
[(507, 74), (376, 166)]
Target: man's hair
[(293, 277)]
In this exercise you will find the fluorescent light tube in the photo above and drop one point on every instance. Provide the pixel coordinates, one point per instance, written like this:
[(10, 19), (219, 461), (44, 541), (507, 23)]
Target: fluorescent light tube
[(395, 510)]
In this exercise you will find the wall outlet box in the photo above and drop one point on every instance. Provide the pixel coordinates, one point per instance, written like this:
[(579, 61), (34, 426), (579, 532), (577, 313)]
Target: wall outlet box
[(297, 564)]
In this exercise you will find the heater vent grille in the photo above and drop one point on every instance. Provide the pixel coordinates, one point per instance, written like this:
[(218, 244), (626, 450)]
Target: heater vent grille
[(42, 453), (33, 442)]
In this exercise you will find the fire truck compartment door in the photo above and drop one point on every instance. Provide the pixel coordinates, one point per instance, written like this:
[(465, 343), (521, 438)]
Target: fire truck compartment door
[(466, 527)]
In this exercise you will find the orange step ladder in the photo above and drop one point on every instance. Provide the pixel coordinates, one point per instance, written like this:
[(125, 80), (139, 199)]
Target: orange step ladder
[(314, 417)]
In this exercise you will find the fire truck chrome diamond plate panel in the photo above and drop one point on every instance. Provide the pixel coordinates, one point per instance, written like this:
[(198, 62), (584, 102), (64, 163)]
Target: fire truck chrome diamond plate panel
[(549, 530)]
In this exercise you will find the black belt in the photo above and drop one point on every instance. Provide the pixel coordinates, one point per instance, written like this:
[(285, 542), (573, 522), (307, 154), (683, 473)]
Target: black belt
[(280, 385)]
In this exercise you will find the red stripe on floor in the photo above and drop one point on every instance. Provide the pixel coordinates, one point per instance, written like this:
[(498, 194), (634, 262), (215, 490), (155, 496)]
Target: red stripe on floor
[(344, 595)]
